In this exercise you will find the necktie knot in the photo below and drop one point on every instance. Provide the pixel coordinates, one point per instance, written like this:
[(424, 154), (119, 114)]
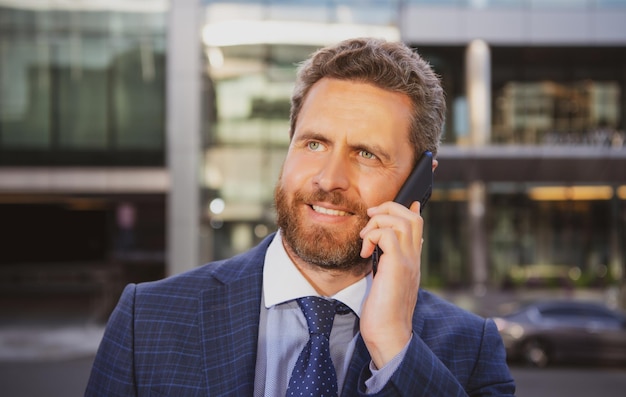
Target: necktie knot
[(319, 314)]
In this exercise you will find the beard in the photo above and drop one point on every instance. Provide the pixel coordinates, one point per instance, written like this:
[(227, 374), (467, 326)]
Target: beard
[(318, 245)]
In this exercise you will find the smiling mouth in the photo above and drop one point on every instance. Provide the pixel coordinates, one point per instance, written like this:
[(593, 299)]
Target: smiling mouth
[(328, 211)]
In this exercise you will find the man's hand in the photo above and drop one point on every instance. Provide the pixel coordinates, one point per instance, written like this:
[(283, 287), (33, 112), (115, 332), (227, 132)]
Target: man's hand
[(386, 319)]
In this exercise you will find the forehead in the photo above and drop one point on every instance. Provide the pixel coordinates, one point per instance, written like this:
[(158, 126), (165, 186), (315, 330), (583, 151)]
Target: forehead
[(353, 107)]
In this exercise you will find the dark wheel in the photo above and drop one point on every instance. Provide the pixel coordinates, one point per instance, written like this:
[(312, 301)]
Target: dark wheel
[(535, 353)]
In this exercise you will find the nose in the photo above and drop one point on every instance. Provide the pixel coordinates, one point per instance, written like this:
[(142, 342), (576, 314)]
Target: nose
[(334, 174)]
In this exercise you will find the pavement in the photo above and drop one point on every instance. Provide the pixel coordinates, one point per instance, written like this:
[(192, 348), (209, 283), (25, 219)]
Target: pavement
[(44, 328), (20, 343)]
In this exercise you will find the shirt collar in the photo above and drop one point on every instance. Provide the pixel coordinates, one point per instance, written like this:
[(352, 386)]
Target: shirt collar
[(283, 282)]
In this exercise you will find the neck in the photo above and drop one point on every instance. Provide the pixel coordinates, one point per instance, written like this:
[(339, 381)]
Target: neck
[(327, 282)]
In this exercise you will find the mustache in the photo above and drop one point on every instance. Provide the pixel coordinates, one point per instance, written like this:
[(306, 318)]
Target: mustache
[(335, 198)]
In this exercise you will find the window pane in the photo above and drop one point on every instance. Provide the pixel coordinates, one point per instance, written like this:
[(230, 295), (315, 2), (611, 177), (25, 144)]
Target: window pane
[(139, 98), (24, 83), (82, 81), (82, 93)]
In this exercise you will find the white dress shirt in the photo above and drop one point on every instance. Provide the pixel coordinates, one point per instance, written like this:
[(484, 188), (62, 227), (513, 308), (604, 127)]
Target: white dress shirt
[(283, 330)]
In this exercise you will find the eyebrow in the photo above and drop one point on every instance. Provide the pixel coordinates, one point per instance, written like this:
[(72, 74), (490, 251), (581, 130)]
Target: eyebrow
[(305, 136)]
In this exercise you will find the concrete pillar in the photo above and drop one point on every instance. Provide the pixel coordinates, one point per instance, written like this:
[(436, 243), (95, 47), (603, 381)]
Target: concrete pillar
[(183, 134), (478, 89), (616, 263), (479, 252)]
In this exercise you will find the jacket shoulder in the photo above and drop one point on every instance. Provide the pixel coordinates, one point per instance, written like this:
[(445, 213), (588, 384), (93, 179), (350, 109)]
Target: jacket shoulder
[(435, 315), (248, 265)]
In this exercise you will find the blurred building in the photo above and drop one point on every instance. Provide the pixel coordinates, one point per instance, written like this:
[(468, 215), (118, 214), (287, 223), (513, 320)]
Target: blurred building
[(141, 138)]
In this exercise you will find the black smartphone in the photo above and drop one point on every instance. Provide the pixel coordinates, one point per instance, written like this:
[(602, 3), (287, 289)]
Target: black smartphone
[(417, 187)]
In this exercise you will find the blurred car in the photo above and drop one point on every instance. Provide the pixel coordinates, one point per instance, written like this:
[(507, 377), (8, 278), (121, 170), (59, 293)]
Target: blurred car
[(564, 331)]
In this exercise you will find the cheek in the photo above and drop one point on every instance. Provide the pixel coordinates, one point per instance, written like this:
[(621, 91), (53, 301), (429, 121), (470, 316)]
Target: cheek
[(374, 192), (302, 163), (294, 174)]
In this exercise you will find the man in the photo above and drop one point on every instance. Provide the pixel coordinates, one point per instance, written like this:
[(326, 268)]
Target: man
[(363, 112)]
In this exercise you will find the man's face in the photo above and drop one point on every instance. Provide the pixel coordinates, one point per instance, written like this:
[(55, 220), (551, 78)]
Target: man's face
[(350, 151)]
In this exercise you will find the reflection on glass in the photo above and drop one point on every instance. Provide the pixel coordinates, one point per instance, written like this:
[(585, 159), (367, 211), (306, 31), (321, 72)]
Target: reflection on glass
[(82, 79), (585, 112)]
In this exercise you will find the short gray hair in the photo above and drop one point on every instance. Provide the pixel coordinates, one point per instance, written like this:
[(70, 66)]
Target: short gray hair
[(388, 65)]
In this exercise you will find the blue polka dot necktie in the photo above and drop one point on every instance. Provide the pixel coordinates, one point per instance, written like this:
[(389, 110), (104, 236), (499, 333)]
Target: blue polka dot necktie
[(314, 373)]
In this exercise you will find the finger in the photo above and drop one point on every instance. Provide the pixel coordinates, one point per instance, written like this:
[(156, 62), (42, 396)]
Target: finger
[(397, 241), (416, 207), (391, 207), (370, 241), (388, 232)]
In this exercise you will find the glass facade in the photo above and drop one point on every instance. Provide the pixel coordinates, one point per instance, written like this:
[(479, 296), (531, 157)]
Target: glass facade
[(82, 106), (86, 87), (81, 86), (541, 96), (248, 84), (248, 142), (554, 4), (556, 97)]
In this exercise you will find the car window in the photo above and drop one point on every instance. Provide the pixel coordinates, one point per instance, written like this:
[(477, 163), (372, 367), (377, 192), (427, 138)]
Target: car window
[(598, 314), (562, 312), (581, 316)]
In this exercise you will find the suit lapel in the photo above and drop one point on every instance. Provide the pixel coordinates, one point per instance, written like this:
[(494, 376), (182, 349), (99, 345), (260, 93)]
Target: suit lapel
[(229, 324), (229, 338), (361, 356)]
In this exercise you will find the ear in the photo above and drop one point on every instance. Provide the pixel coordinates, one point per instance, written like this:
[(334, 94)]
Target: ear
[(435, 164)]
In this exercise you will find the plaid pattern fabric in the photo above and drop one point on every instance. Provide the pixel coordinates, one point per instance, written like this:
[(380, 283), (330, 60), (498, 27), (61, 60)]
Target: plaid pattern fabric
[(195, 334)]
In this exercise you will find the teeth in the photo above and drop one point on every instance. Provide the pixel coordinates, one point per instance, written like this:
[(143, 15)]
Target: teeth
[(328, 211)]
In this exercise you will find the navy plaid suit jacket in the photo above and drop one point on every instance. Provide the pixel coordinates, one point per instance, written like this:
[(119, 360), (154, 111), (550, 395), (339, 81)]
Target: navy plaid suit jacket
[(195, 334)]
